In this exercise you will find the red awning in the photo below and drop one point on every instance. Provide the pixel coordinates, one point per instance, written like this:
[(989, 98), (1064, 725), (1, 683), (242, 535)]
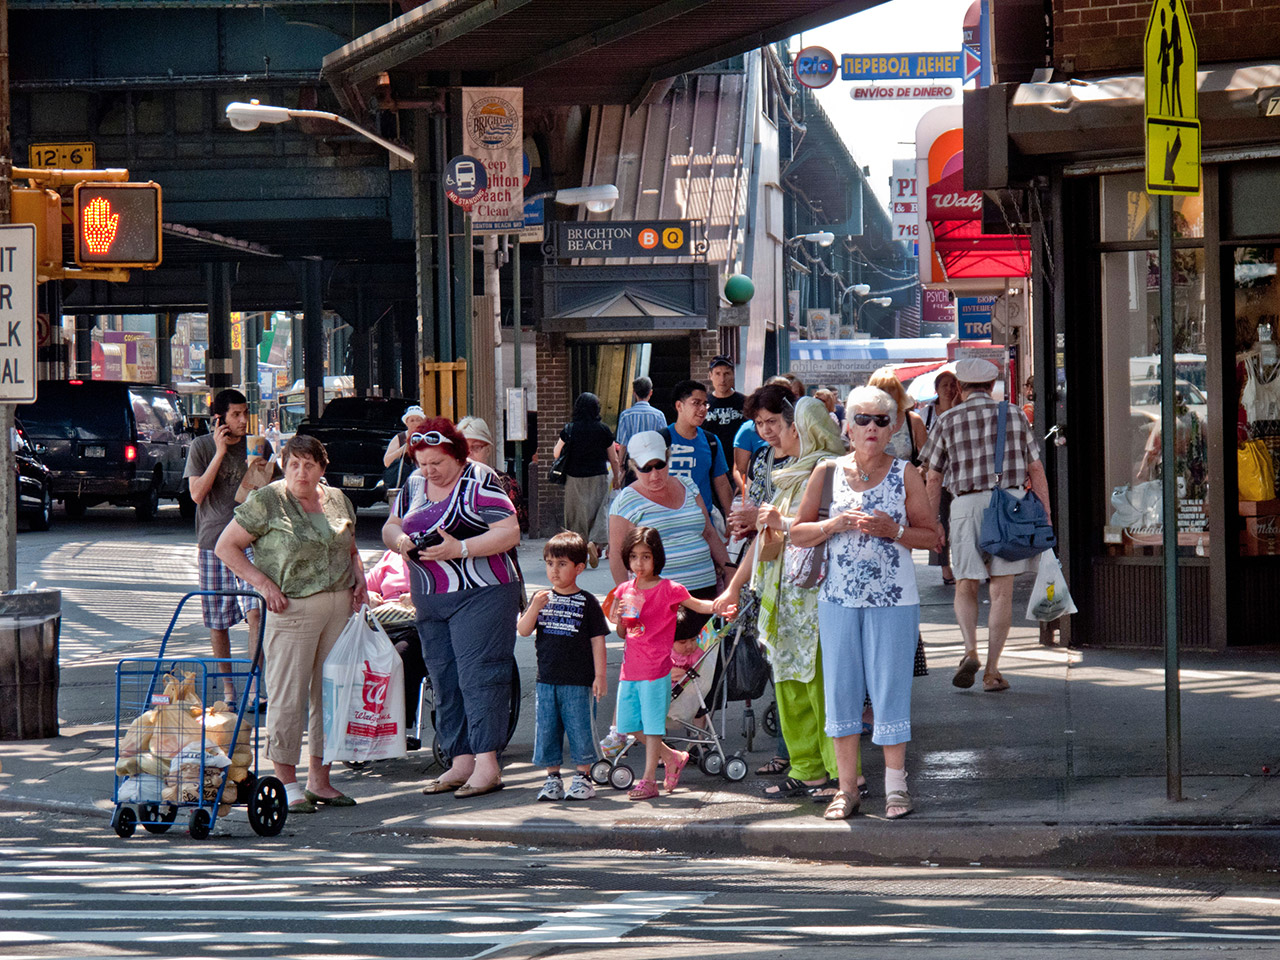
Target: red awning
[(907, 372)]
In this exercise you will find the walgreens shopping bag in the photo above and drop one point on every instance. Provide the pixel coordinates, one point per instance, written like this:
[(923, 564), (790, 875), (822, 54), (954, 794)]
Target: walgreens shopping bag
[(363, 694)]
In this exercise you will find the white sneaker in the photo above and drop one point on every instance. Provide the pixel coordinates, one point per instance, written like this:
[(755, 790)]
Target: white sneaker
[(581, 789), (553, 789)]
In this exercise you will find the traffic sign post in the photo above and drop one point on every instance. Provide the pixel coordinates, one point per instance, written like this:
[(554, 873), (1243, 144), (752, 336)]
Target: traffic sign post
[(1169, 62), (1172, 128)]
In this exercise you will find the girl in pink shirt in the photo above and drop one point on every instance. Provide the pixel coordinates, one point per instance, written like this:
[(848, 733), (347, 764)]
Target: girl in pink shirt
[(647, 607)]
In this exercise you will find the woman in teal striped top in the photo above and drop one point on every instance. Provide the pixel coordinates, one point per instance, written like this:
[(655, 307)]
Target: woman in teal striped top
[(672, 506)]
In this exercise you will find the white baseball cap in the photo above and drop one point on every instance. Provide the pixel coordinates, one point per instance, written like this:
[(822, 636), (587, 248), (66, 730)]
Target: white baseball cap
[(647, 447)]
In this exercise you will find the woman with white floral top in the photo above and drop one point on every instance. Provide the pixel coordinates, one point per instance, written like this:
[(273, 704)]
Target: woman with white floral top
[(801, 437), (868, 606)]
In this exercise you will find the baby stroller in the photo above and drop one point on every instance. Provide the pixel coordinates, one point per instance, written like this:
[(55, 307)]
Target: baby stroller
[(697, 714), (398, 620)]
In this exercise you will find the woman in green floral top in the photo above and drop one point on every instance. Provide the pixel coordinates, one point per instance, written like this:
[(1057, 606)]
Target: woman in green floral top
[(788, 621), (305, 564)]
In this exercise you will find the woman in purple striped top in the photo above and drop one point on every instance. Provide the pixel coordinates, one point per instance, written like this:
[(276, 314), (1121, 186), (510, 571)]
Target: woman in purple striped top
[(454, 525)]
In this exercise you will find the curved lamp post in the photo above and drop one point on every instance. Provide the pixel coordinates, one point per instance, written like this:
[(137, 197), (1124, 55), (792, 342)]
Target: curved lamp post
[(248, 116), (878, 301), (823, 238)]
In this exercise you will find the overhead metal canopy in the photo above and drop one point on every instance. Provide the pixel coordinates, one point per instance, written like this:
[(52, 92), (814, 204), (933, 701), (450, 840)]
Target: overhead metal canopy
[(569, 52)]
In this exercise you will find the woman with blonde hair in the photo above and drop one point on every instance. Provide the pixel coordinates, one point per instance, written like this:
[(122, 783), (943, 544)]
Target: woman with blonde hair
[(909, 433)]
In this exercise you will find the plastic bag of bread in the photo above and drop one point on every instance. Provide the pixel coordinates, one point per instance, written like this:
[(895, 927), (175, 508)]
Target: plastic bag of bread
[(179, 716), (221, 725), (137, 739)]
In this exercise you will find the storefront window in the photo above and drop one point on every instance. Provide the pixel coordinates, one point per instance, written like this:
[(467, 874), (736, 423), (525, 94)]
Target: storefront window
[(1131, 401), (1129, 212), (1257, 323)]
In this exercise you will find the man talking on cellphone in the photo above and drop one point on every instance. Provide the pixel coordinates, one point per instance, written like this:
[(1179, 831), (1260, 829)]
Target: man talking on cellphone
[(216, 464)]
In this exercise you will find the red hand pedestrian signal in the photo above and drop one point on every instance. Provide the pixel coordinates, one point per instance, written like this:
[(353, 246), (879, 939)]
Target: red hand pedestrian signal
[(117, 224), (99, 225)]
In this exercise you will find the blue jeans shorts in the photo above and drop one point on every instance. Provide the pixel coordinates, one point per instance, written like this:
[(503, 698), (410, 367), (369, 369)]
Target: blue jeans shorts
[(562, 709), (642, 706)]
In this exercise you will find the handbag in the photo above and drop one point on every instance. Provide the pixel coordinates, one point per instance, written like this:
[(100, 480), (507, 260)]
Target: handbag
[(1013, 529), (1254, 471), (557, 472), (806, 567)]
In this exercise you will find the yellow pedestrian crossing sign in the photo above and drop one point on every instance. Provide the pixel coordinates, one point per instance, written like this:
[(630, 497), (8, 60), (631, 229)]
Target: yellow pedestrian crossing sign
[(1172, 120)]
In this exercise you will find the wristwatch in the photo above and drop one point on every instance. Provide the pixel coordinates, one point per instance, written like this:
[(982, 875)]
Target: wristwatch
[(465, 552), (901, 530)]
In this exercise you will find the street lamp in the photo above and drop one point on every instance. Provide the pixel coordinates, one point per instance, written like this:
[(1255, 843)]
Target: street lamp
[(599, 198), (248, 116), (823, 238), (878, 301)]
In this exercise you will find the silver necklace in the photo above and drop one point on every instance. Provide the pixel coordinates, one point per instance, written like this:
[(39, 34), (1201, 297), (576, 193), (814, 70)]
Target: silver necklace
[(863, 476)]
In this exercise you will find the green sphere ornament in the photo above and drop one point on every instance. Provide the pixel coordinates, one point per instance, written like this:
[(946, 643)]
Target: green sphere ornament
[(739, 288)]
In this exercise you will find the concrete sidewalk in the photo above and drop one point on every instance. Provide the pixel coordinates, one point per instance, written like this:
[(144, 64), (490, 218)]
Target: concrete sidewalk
[(1065, 768)]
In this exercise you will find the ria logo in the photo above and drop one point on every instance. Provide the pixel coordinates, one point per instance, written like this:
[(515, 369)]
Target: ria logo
[(99, 224), (814, 67)]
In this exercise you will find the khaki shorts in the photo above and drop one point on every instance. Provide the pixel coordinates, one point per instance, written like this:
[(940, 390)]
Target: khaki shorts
[(967, 561)]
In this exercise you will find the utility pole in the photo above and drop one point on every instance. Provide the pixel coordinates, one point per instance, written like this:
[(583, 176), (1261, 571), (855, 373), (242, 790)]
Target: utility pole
[(8, 481)]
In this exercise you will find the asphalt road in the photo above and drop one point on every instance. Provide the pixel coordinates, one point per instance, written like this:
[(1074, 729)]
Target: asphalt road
[(72, 889)]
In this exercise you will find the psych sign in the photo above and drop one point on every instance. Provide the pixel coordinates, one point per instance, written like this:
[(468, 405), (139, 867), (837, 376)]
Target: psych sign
[(623, 238), (901, 66)]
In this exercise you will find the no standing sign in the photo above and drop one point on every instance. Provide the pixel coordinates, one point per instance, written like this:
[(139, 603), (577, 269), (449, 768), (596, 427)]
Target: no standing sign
[(17, 313)]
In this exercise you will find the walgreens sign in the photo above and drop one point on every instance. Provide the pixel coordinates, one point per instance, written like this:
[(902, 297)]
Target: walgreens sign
[(949, 200)]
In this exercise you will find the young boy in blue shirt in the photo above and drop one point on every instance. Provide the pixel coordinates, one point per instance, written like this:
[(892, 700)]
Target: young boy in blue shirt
[(571, 631)]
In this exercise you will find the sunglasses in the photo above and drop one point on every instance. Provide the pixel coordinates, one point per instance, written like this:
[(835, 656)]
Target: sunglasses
[(881, 419), (433, 439), (655, 465)]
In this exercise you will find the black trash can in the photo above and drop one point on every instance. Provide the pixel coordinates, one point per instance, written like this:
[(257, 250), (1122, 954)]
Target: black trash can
[(29, 626)]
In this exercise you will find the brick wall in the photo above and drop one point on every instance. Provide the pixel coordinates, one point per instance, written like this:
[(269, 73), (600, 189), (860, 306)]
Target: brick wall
[(1105, 36), (704, 345)]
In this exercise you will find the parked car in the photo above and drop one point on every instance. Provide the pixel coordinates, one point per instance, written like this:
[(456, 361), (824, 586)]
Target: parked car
[(355, 432), (109, 441), (35, 482)]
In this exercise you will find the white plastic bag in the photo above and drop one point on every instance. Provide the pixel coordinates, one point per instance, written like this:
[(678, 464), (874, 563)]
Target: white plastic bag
[(1050, 598), (363, 694)]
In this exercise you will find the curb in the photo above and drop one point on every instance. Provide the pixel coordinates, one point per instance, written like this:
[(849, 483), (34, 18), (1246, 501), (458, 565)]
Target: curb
[(884, 843)]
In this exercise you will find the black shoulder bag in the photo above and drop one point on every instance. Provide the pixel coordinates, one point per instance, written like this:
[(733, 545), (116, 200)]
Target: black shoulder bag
[(556, 474)]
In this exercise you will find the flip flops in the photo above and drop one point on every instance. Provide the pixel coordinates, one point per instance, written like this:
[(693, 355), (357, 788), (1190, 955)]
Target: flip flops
[(441, 786), (341, 800), (467, 790)]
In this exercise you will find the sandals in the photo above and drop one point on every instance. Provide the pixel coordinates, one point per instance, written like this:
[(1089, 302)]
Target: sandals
[(968, 669), (643, 790), (789, 788), (842, 807), (672, 777), (898, 798), (994, 683), (775, 767)]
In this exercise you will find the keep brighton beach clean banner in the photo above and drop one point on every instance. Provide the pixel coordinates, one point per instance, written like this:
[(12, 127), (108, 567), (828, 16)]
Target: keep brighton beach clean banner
[(493, 133)]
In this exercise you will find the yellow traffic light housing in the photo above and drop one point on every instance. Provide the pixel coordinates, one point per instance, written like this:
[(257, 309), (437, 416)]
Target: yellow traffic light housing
[(117, 225), (44, 209)]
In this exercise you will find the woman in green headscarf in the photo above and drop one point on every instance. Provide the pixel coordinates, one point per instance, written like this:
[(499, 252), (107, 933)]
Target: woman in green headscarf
[(788, 618)]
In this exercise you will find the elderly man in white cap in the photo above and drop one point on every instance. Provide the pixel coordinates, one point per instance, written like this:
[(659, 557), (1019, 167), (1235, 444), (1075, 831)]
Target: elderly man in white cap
[(960, 455)]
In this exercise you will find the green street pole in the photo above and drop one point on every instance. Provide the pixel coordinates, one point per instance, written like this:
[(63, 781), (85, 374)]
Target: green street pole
[(1168, 455)]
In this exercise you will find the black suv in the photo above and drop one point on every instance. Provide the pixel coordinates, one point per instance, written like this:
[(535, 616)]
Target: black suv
[(35, 482), (355, 432), (109, 441)]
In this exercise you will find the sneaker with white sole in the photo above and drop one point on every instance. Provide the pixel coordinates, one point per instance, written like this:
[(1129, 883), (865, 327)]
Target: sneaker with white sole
[(553, 789), (581, 789)]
